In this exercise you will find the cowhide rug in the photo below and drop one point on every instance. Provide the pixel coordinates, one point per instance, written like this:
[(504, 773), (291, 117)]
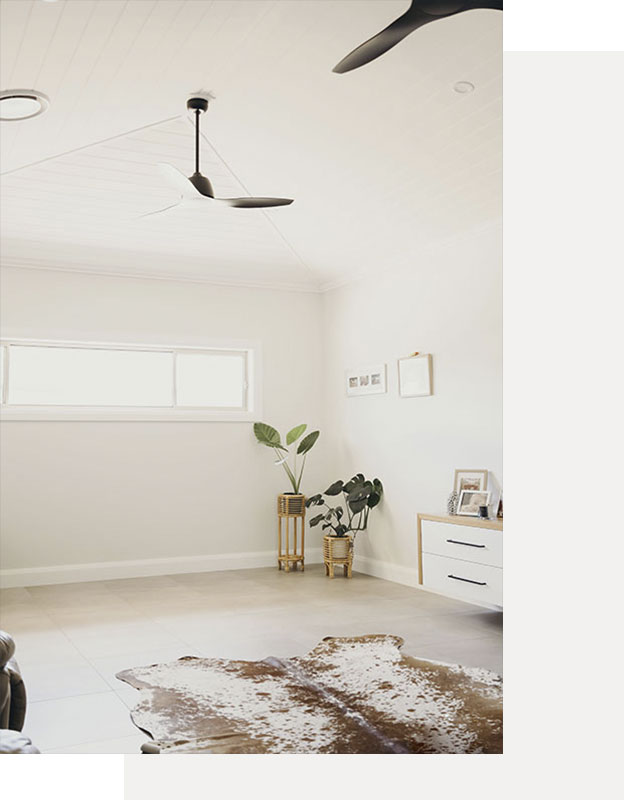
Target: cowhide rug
[(347, 695)]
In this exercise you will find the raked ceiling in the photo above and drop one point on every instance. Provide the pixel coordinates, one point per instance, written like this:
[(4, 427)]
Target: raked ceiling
[(381, 161)]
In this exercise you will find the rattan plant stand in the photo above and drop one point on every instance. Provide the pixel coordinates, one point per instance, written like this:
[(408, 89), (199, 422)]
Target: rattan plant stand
[(290, 507), (338, 552)]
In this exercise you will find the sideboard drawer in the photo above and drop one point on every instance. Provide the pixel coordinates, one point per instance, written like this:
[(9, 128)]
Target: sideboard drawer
[(475, 583), (469, 543)]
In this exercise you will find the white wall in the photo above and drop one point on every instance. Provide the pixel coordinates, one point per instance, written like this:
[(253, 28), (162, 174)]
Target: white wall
[(447, 303), (84, 492)]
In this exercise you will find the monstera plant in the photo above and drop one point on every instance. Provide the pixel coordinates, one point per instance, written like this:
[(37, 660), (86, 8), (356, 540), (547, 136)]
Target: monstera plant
[(359, 496), (269, 437)]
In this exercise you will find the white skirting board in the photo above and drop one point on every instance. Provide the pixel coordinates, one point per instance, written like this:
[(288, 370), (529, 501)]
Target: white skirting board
[(142, 568), (408, 576), (146, 567)]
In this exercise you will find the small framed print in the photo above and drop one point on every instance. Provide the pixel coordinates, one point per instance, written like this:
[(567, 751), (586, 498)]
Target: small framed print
[(366, 380), (474, 480), (415, 376), (469, 502)]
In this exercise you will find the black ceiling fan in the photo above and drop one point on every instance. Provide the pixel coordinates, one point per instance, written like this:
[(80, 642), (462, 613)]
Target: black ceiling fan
[(197, 186), (418, 14)]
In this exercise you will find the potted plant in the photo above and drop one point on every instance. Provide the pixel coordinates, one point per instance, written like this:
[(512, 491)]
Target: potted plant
[(265, 434), (344, 521)]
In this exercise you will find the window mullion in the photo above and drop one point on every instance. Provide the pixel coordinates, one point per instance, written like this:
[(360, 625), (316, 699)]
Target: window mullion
[(245, 381), (5, 376), (174, 388)]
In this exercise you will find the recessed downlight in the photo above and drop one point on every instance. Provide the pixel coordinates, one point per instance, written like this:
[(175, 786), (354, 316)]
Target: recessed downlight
[(463, 87), (18, 104)]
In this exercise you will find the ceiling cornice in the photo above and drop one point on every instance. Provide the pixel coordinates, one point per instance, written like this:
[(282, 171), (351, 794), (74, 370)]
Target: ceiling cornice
[(31, 264)]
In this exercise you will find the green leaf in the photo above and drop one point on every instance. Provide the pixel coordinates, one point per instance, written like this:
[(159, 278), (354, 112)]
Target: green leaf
[(334, 489), (295, 433), (378, 486), (315, 500), (315, 520), (357, 505), (307, 443), (359, 493), (267, 435), (373, 499)]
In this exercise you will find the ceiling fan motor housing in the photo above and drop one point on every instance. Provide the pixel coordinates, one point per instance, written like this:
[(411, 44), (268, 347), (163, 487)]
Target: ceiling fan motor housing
[(202, 184)]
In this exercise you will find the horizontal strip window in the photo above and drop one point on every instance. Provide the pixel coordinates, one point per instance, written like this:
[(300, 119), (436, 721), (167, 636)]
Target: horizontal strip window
[(64, 380)]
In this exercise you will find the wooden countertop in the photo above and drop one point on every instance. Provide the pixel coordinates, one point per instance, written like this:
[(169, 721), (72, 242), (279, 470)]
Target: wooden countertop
[(458, 519)]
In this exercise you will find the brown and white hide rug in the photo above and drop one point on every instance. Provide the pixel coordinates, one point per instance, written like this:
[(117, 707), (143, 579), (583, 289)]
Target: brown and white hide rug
[(348, 695)]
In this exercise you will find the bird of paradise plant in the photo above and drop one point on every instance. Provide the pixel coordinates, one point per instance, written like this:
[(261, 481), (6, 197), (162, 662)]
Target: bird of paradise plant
[(270, 437)]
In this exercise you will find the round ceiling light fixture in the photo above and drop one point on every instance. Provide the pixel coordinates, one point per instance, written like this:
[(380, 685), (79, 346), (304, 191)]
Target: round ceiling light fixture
[(463, 87), (18, 104)]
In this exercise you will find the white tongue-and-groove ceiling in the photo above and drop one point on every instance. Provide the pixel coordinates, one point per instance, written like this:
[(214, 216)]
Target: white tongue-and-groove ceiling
[(381, 161)]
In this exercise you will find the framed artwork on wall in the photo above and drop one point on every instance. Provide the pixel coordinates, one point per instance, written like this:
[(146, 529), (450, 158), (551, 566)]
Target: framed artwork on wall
[(366, 380), (469, 502), (474, 480), (415, 376)]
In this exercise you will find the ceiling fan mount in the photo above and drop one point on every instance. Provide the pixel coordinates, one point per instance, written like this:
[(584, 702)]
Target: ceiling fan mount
[(197, 104)]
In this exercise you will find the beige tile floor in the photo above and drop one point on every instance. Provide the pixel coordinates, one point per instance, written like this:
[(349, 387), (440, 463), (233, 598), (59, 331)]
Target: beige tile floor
[(72, 639)]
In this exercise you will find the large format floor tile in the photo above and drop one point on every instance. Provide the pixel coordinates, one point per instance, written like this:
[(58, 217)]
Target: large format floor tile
[(75, 720), (53, 681), (72, 638), (127, 745), (485, 652)]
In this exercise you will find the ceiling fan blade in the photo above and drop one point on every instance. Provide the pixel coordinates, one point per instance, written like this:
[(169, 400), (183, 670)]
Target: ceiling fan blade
[(177, 180), (160, 210), (254, 202), (415, 17), (474, 4), (382, 42)]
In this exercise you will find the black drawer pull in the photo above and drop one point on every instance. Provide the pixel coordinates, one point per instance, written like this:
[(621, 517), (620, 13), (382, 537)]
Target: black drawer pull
[(468, 544), (467, 580)]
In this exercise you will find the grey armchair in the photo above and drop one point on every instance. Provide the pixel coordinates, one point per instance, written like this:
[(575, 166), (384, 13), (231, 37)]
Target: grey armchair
[(12, 701)]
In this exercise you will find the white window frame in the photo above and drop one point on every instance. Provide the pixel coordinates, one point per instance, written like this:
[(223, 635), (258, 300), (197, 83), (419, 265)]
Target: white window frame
[(253, 411)]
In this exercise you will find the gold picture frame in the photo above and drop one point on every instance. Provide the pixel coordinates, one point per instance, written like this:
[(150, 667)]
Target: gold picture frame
[(472, 480)]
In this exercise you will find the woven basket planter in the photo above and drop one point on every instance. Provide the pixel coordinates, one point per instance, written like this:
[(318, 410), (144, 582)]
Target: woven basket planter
[(290, 517), (291, 505), (338, 552)]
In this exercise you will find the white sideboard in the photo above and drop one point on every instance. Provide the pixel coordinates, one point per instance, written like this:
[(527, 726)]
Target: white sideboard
[(461, 557)]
